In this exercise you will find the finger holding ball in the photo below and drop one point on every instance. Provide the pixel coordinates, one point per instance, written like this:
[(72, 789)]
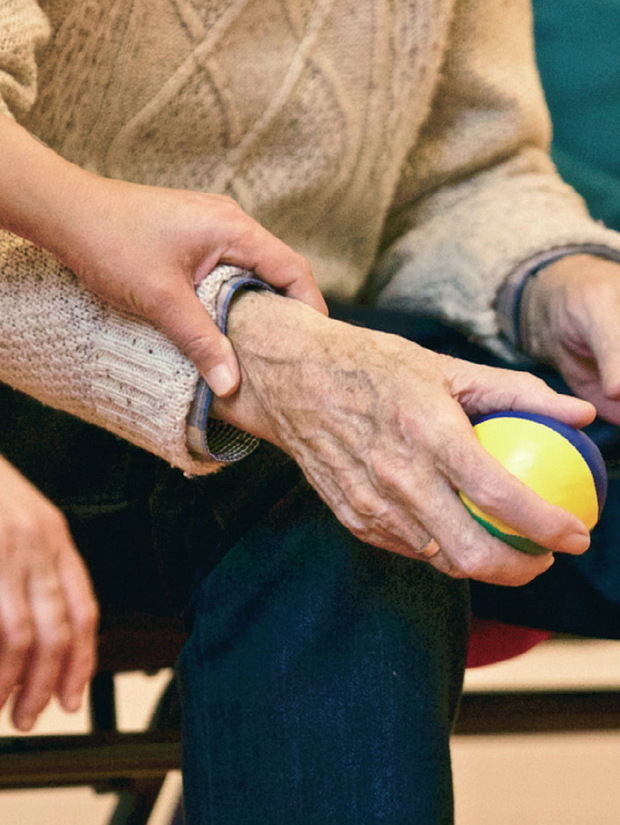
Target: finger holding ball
[(561, 464)]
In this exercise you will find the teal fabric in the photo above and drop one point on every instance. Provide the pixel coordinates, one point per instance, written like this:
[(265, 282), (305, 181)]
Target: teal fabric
[(577, 43)]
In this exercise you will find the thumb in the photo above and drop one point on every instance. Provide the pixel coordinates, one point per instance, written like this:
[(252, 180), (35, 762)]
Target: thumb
[(188, 325), (481, 389)]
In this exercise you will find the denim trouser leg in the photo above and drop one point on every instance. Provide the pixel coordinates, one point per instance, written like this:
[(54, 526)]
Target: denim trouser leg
[(320, 680)]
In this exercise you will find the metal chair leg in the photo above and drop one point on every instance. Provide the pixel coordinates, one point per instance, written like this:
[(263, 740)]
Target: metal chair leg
[(137, 800)]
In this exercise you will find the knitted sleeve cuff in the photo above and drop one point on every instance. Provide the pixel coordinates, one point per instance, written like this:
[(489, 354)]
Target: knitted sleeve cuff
[(152, 395), (64, 346)]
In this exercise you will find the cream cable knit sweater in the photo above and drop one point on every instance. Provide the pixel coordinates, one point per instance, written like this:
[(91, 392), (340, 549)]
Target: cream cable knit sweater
[(401, 146)]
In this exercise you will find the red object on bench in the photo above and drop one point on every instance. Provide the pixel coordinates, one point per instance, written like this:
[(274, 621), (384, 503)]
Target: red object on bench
[(494, 641)]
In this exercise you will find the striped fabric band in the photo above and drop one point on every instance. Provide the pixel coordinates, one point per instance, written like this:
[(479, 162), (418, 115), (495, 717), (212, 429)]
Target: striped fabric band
[(209, 438)]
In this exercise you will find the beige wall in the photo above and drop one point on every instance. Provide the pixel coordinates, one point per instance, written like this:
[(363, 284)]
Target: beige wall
[(560, 779)]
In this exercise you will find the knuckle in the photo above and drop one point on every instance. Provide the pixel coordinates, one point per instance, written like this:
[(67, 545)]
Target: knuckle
[(56, 640), (229, 203), (388, 475), (361, 501), (521, 578), (470, 564), (353, 523), (526, 382), (55, 522), (305, 268), (19, 635), (204, 346), (363, 534), (87, 619), (25, 527), (384, 475), (457, 573), (488, 495), (245, 234), (350, 518)]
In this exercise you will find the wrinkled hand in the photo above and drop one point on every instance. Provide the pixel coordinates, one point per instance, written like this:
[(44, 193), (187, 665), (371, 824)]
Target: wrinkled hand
[(379, 426), (571, 319), (143, 249), (48, 614)]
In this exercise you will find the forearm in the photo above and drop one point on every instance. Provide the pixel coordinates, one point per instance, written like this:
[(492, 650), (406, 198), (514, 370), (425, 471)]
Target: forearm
[(278, 343), (482, 198), (41, 193)]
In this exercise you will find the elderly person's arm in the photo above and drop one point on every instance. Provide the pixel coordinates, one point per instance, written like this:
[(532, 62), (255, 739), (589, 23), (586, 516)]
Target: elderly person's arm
[(479, 201)]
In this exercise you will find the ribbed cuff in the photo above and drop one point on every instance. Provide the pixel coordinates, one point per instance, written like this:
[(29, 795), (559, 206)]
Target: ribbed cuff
[(143, 386)]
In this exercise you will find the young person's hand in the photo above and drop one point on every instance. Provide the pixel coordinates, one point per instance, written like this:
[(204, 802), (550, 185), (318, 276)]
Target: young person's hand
[(48, 613), (143, 249), (380, 427)]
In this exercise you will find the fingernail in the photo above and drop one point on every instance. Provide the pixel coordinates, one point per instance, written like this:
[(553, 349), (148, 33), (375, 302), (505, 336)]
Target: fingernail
[(220, 379), (25, 723), (73, 703), (576, 543)]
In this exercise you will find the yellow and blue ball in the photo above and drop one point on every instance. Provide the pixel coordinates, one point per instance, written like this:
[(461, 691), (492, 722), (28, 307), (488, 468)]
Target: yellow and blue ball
[(562, 464)]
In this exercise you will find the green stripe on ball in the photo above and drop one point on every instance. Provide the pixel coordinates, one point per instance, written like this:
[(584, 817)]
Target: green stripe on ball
[(518, 542)]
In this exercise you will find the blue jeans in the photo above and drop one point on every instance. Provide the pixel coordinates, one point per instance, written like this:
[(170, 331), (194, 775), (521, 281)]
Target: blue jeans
[(322, 676)]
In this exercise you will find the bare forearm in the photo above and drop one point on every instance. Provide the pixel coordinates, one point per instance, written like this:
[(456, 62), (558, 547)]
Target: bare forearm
[(40, 192), (278, 342)]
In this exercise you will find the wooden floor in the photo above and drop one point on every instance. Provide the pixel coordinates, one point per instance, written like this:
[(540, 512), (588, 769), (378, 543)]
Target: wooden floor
[(557, 779)]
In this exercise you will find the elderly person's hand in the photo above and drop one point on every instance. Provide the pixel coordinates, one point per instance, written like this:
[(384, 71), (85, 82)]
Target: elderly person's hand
[(570, 319), (380, 427), (48, 614), (144, 248)]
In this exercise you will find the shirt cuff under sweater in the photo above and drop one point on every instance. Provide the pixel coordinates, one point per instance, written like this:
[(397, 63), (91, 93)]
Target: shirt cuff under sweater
[(210, 438), (509, 296)]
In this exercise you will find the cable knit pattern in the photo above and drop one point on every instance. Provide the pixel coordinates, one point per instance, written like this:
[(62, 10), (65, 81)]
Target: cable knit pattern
[(401, 146), (23, 27), (479, 195)]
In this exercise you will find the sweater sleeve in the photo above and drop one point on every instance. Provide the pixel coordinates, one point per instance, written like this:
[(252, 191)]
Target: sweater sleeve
[(23, 29), (479, 196), (64, 346)]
